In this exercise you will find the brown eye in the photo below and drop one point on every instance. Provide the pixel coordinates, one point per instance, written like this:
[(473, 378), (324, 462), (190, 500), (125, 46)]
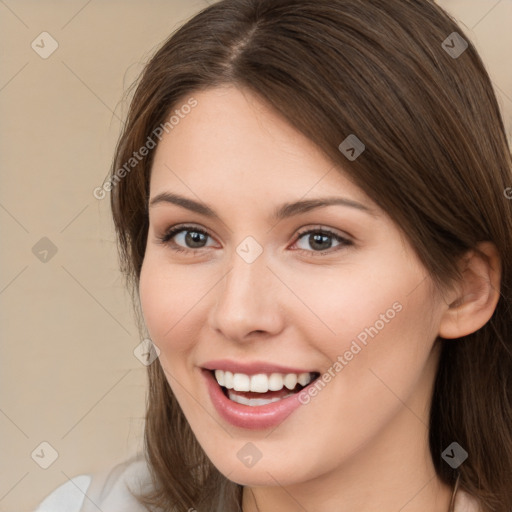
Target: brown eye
[(185, 238), (320, 240)]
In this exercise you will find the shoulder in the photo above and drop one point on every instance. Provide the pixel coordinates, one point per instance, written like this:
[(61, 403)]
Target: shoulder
[(69, 497), (464, 502), (108, 490)]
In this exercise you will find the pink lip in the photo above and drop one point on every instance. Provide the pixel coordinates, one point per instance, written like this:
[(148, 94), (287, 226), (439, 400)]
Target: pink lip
[(252, 368), (245, 416)]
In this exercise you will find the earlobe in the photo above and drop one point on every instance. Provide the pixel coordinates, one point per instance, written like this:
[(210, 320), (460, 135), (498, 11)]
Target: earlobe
[(477, 294)]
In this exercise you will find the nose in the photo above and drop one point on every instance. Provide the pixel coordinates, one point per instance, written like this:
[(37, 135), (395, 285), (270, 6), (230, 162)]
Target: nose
[(247, 302)]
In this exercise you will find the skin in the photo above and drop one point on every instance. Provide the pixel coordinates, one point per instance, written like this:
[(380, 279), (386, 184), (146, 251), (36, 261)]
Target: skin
[(362, 442)]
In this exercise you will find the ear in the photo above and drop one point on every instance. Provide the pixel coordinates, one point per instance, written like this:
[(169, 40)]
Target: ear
[(472, 303)]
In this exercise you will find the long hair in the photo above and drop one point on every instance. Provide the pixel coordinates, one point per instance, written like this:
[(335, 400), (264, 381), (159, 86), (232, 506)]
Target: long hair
[(437, 160)]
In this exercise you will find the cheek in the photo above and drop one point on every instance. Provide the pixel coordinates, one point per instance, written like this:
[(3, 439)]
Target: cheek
[(169, 299), (369, 315)]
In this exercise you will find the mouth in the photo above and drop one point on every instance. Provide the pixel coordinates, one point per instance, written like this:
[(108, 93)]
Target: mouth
[(257, 394), (261, 388)]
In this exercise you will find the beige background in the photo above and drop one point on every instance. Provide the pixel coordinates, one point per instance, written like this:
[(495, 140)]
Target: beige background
[(68, 373)]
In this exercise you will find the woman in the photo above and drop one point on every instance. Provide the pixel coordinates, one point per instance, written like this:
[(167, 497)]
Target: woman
[(310, 198)]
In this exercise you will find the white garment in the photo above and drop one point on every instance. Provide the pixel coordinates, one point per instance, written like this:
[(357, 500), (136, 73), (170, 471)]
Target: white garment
[(108, 491)]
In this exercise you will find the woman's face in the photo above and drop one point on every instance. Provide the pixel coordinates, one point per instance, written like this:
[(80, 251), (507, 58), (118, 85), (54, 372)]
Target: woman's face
[(331, 290)]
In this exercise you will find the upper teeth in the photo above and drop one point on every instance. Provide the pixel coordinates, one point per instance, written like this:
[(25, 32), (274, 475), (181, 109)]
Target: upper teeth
[(261, 383)]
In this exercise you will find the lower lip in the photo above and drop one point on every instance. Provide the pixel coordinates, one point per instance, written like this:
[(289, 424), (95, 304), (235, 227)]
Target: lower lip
[(245, 416)]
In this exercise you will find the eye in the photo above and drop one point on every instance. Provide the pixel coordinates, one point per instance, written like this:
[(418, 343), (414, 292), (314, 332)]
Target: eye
[(321, 240), (187, 238)]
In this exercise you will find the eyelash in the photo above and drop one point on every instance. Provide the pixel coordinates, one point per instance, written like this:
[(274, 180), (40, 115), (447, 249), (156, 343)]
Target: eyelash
[(169, 234)]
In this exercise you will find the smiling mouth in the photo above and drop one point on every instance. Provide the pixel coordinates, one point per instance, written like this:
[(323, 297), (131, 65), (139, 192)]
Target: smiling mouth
[(261, 389)]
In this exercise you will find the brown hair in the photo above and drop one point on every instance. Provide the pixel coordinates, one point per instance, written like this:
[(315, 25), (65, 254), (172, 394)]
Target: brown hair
[(436, 160)]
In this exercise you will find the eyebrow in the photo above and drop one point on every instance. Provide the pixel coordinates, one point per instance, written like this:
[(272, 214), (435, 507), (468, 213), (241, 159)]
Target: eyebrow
[(282, 212)]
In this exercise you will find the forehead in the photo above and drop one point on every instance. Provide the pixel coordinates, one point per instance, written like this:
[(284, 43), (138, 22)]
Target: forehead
[(232, 144)]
